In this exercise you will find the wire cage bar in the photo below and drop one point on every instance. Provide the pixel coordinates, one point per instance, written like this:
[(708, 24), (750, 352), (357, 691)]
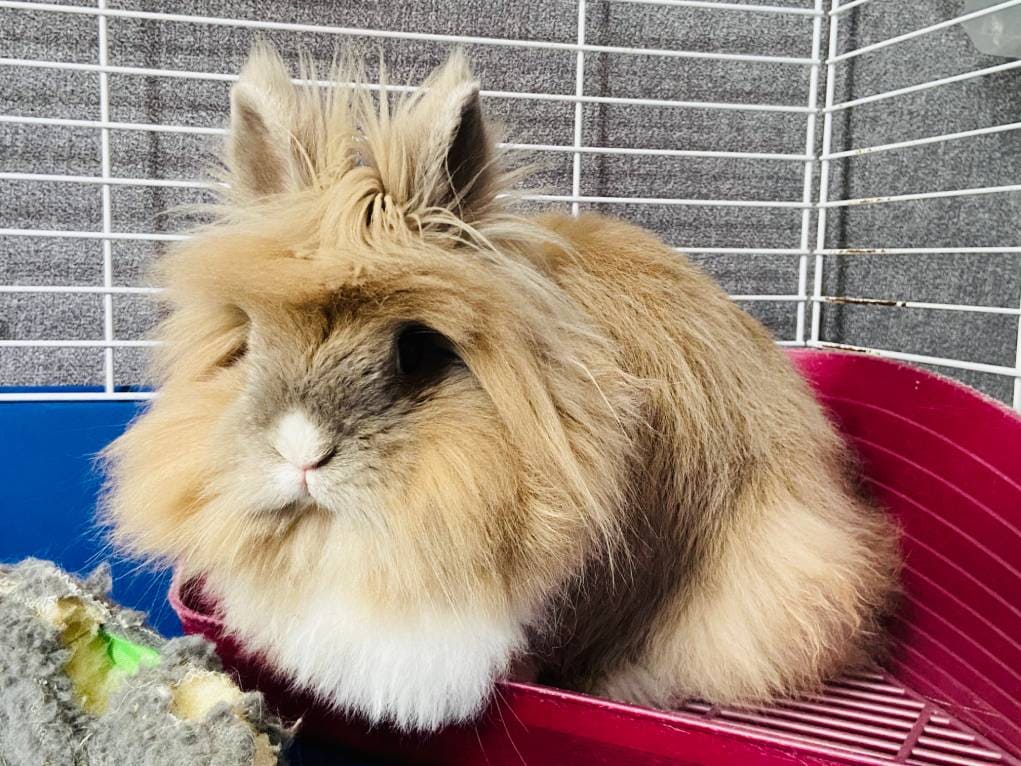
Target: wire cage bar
[(813, 198)]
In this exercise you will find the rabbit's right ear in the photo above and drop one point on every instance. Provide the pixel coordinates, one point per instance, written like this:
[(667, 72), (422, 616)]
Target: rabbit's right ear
[(261, 148)]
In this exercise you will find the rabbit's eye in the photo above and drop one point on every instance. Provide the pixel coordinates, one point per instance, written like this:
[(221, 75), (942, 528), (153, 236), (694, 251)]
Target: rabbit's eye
[(423, 353)]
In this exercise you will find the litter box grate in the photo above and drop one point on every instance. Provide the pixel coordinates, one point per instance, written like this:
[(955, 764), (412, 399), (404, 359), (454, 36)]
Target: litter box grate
[(868, 716)]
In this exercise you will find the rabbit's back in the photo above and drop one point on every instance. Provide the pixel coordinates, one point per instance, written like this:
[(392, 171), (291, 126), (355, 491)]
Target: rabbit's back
[(756, 569)]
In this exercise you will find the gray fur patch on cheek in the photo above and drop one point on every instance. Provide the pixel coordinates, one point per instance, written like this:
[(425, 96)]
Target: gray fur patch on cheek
[(357, 396)]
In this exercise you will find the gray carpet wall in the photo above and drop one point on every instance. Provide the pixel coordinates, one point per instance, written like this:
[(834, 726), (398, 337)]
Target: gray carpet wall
[(988, 220)]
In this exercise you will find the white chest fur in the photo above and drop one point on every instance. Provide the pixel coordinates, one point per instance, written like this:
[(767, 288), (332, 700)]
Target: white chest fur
[(418, 671)]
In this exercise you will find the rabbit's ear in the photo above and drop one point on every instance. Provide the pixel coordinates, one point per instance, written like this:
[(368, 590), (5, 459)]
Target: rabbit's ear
[(263, 107), (456, 154)]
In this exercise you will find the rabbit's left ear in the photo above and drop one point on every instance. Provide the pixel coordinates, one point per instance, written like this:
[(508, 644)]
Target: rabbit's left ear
[(451, 145), (261, 150)]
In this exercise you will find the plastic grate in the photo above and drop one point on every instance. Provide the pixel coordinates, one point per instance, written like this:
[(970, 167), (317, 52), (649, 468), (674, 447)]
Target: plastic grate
[(867, 715)]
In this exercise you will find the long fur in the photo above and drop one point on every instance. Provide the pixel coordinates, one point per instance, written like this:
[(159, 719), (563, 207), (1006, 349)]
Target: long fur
[(623, 479)]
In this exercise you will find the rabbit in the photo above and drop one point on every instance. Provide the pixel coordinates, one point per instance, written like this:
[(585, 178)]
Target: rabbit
[(412, 438)]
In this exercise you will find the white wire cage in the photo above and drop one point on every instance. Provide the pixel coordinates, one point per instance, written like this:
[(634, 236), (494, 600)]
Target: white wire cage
[(748, 161)]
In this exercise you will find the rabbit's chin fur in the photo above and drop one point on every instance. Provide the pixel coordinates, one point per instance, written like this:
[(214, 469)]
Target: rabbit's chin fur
[(408, 437)]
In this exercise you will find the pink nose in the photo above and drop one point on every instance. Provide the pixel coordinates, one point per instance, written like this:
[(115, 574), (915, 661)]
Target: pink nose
[(312, 466), (319, 462), (325, 458)]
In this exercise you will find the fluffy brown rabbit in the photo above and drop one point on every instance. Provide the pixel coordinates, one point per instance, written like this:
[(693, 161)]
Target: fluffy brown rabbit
[(410, 438)]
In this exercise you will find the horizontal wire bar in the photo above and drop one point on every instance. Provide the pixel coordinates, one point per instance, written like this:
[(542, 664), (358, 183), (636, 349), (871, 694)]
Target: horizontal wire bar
[(848, 300), (181, 183), (664, 201), (767, 298), (742, 250), (157, 128), (780, 9), (78, 343), (146, 237), (924, 86), (658, 152), (76, 396), (85, 289), (923, 196), (69, 234), (93, 396), (56, 121), (89, 289), (923, 31), (937, 361), (556, 97), (114, 290), (847, 6), (114, 181), (283, 26), (99, 124), (538, 197), (921, 141), (917, 250), (195, 184), (155, 343), (581, 199)]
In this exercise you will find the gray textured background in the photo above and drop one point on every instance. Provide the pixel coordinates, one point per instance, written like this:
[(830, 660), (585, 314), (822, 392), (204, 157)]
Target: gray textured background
[(988, 220)]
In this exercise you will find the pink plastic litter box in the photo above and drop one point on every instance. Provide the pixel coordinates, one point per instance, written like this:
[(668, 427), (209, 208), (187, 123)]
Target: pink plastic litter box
[(946, 462)]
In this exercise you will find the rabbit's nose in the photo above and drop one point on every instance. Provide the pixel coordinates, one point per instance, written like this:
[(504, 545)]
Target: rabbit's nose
[(319, 462), (300, 442), (305, 471)]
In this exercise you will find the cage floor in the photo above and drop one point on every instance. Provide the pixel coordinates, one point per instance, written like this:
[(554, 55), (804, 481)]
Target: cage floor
[(870, 717), (863, 718)]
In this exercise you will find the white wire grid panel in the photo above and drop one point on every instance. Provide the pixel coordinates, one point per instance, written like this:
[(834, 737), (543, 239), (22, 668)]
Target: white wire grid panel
[(798, 155)]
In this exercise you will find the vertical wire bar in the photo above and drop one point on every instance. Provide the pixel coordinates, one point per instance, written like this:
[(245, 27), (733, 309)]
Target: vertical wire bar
[(104, 144), (824, 171), (1017, 364), (579, 90), (806, 193)]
